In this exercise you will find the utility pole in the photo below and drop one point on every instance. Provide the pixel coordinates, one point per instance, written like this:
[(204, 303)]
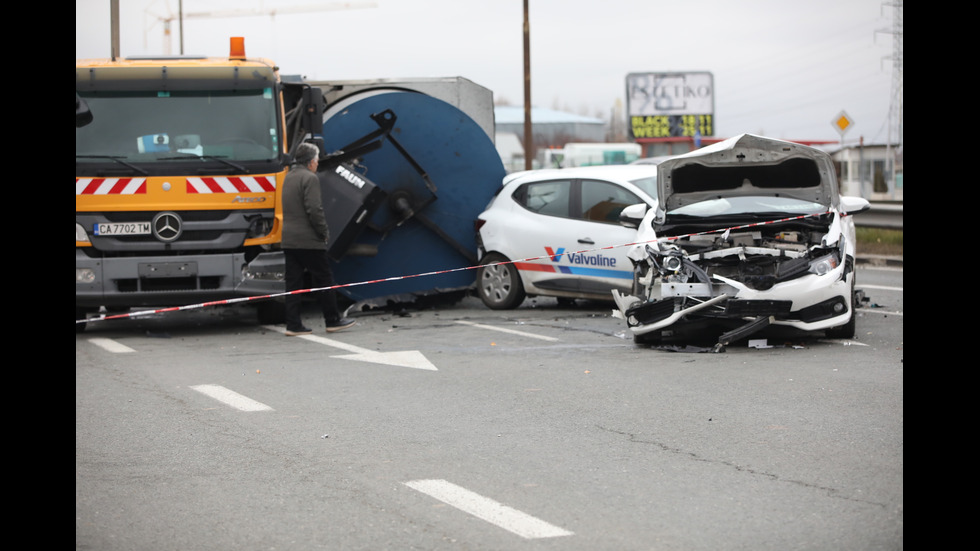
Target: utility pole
[(896, 134), (114, 29), (528, 131)]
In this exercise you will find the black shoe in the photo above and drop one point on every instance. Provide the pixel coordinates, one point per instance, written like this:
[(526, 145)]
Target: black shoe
[(298, 331), (342, 323)]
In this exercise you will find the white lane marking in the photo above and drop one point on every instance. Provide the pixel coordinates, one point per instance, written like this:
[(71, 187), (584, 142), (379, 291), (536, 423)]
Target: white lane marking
[(509, 519), (506, 330), (845, 342), (111, 345), (404, 358), (882, 287), (231, 398), (876, 311)]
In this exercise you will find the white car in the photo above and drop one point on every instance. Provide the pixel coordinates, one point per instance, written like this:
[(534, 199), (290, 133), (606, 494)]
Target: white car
[(556, 232), (749, 232)]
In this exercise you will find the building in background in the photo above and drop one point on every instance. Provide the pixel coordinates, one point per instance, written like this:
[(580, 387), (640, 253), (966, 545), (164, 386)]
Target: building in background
[(551, 130), (863, 171)]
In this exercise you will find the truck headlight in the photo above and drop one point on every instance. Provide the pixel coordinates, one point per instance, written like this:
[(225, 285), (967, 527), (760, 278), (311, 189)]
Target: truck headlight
[(248, 273), (80, 233), (84, 275)]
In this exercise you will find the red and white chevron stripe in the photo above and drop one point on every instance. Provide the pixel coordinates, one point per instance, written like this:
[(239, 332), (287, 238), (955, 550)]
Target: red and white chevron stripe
[(110, 186), (242, 184)]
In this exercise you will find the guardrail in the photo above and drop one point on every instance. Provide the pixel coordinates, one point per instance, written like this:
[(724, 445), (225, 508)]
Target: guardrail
[(882, 215)]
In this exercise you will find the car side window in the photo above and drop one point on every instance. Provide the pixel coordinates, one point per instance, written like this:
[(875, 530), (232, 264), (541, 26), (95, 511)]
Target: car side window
[(551, 198), (603, 201)]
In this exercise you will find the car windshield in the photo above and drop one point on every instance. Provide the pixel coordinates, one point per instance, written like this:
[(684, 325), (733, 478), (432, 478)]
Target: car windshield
[(648, 184), (727, 206)]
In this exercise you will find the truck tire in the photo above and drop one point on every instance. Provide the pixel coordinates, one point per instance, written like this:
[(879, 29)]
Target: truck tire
[(271, 312)]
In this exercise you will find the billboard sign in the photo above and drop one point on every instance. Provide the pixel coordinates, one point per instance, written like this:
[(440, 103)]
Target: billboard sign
[(665, 105)]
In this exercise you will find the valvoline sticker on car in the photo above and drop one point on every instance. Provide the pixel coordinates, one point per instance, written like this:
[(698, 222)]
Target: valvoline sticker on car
[(578, 263)]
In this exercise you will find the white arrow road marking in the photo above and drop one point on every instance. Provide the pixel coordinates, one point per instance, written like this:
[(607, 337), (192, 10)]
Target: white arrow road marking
[(405, 358), (506, 330), (883, 287), (111, 345), (231, 398), (509, 519)]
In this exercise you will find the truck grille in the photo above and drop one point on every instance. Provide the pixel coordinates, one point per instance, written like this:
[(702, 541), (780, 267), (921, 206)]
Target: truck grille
[(200, 231)]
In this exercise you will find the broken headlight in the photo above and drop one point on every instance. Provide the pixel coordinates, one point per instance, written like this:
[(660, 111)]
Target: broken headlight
[(825, 264)]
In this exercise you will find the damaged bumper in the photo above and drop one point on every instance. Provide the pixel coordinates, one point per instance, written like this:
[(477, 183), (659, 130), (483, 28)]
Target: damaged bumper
[(808, 303)]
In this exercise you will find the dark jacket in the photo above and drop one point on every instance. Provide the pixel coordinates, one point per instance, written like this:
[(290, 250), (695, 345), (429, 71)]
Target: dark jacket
[(303, 224)]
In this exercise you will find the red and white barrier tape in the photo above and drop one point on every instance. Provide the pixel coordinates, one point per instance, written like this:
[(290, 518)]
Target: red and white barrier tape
[(399, 278)]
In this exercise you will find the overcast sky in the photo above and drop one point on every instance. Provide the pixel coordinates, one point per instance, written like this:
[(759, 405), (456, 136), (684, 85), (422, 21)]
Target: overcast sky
[(781, 68)]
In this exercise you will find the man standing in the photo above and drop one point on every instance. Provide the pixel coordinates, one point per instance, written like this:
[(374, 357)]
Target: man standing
[(304, 242)]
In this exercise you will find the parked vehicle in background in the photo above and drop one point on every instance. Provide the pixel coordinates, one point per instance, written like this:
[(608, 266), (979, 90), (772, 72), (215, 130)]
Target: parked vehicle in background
[(749, 232), (556, 232), (591, 154), (651, 160)]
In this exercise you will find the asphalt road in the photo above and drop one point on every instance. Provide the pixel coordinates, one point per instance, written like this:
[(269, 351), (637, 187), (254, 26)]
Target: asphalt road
[(464, 428)]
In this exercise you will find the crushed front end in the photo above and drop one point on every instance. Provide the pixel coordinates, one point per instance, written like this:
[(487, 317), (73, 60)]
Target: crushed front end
[(741, 281), (749, 234)]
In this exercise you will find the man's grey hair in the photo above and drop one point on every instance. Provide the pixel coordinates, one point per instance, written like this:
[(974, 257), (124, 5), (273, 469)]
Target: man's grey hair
[(305, 153)]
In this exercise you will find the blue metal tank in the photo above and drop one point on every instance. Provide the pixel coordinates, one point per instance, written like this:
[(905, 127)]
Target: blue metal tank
[(425, 223)]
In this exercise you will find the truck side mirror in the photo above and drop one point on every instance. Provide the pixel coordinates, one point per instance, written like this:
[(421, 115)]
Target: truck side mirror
[(82, 114)]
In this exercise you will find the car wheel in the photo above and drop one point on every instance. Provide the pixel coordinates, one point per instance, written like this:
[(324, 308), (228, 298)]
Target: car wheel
[(848, 330), (648, 339), (845, 331), (499, 286)]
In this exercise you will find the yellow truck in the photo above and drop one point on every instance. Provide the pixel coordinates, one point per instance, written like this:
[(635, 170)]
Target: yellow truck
[(178, 167)]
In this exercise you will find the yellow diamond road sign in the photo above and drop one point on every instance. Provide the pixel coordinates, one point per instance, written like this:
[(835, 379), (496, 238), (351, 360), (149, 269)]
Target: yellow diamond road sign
[(842, 122)]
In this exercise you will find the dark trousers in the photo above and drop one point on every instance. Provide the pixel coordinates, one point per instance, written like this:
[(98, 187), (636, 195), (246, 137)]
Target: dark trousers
[(314, 261)]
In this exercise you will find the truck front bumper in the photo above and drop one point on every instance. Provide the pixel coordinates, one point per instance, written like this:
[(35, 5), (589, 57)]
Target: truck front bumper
[(159, 280)]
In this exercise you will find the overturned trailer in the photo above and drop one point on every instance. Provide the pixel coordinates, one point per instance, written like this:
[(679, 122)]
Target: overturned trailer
[(406, 167), (748, 233)]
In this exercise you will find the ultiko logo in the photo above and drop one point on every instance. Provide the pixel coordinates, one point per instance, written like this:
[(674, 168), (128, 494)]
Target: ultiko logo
[(350, 177)]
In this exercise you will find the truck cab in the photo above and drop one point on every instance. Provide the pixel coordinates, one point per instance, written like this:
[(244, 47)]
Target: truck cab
[(177, 173)]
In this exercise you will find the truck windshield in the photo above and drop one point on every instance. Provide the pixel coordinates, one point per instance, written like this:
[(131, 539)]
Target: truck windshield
[(225, 127)]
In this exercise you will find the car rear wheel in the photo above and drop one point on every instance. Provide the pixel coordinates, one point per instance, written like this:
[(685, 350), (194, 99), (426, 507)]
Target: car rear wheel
[(500, 285)]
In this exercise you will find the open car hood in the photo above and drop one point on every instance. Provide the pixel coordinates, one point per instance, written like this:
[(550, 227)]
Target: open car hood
[(747, 165)]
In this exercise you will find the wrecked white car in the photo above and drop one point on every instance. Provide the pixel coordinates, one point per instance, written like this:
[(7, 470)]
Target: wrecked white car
[(749, 233)]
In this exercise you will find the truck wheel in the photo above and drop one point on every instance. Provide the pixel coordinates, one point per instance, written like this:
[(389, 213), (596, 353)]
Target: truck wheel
[(271, 312), (80, 313)]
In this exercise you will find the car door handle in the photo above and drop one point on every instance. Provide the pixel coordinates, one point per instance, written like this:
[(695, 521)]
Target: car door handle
[(586, 241)]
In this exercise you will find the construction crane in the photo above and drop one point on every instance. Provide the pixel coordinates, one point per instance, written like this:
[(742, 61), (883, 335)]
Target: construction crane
[(244, 12)]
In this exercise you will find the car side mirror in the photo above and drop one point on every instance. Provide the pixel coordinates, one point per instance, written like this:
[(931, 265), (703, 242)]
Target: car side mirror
[(853, 205), (631, 216)]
